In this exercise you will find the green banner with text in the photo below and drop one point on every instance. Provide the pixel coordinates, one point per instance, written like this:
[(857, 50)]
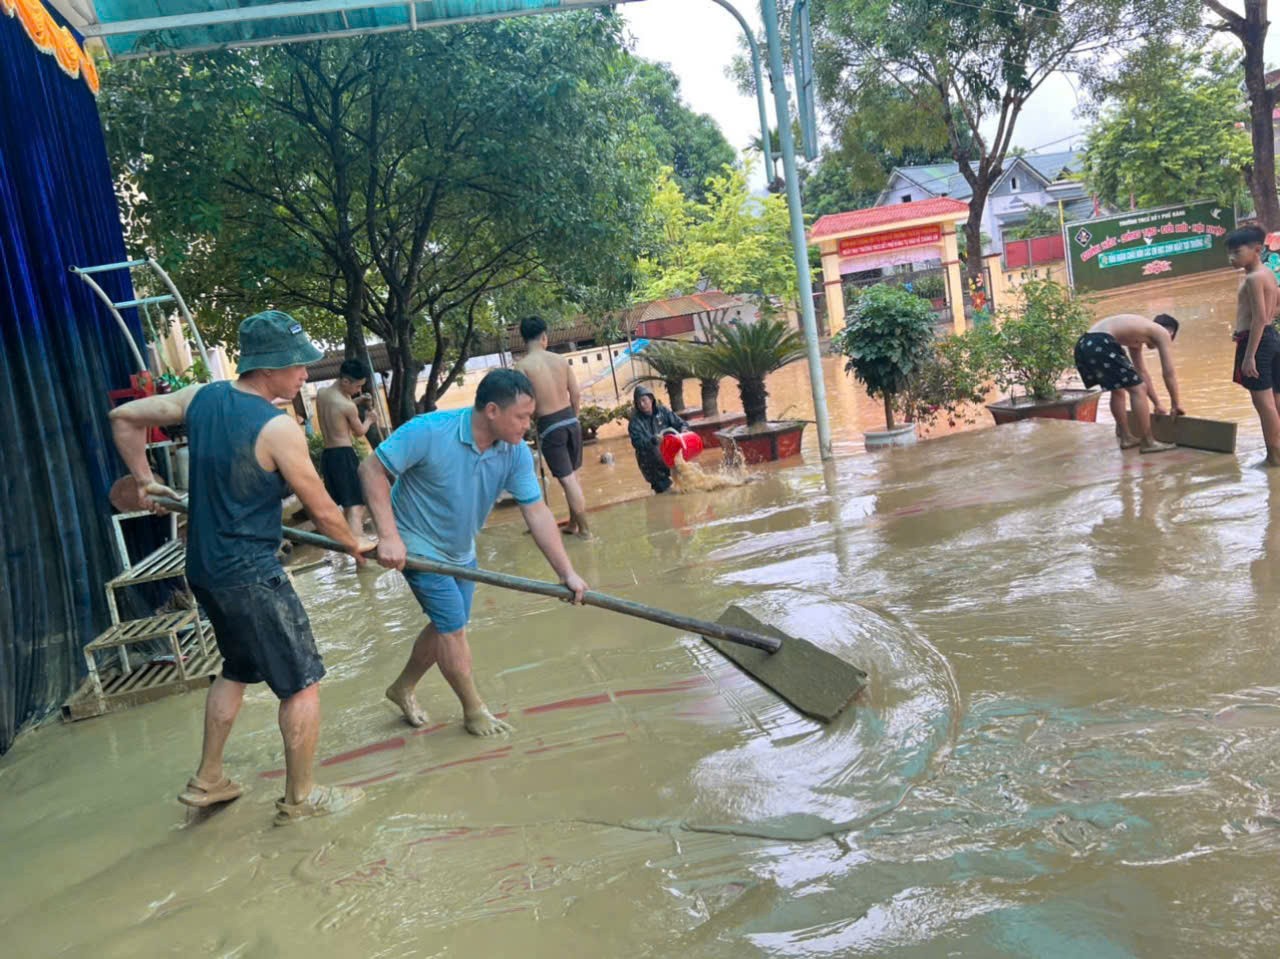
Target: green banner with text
[(1142, 245)]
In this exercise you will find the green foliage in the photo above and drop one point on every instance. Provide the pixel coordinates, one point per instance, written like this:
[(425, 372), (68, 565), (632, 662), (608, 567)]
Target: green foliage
[(691, 144), (886, 341), (1170, 130), (975, 62), (1040, 221), (1032, 344), (669, 360), (733, 241), (403, 183), (593, 417), (197, 372), (931, 286), (749, 352), (951, 381)]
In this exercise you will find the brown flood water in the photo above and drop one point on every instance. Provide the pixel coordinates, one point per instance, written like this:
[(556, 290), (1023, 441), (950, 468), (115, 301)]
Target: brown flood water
[(1067, 748)]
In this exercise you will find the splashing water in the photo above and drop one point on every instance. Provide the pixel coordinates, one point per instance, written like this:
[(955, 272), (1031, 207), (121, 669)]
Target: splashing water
[(690, 477)]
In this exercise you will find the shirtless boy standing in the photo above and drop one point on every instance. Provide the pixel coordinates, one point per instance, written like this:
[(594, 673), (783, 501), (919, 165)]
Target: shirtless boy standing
[(336, 405), (1257, 366), (556, 392), (1101, 361)]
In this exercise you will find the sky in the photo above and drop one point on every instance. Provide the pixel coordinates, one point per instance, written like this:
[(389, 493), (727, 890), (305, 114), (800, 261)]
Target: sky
[(699, 39)]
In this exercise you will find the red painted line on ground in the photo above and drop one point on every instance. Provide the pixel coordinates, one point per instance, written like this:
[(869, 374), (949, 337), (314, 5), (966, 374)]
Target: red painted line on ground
[(660, 690), (596, 700), (372, 779), (483, 757), (429, 729), (608, 736), (396, 743)]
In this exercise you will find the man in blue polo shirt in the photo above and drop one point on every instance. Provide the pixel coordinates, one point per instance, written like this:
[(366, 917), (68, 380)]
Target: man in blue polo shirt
[(448, 468)]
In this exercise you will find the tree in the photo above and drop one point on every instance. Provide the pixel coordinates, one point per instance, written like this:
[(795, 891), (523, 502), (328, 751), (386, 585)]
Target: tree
[(692, 144), (1251, 31), (1040, 221), (749, 352), (977, 61), (733, 241), (398, 183), (1171, 130)]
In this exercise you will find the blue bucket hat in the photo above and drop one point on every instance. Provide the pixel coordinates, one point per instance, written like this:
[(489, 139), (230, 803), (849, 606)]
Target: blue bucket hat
[(273, 340)]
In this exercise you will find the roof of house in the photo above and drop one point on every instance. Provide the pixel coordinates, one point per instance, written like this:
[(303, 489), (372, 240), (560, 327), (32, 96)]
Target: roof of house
[(837, 223), (945, 179), (326, 368)]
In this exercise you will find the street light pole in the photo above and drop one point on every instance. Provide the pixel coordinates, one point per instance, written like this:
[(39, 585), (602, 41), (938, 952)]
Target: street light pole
[(799, 246), (766, 140)]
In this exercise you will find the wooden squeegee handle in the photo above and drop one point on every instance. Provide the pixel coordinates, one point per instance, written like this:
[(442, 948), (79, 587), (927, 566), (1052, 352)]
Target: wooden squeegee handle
[(732, 634)]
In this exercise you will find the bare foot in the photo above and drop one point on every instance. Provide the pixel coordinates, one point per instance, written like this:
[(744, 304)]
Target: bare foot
[(414, 714), (484, 723), (1129, 442), (1154, 447)]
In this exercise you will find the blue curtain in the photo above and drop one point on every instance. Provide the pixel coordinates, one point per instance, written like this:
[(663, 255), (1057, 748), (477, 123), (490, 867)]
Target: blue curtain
[(60, 352)]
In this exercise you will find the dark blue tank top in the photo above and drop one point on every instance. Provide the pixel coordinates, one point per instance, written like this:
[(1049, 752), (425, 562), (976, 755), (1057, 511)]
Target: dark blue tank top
[(234, 527)]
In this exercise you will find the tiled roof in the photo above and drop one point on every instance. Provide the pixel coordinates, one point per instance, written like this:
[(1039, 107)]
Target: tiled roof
[(875, 216), (1053, 165)]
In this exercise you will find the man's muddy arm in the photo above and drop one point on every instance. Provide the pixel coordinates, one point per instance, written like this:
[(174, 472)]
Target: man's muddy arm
[(1259, 318), (1164, 346), (575, 394), (286, 445), (358, 426), (376, 483), (130, 423), (1139, 364), (546, 534)]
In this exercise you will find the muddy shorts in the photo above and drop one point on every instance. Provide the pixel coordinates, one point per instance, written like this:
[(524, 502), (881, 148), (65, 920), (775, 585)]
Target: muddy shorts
[(1102, 361), (445, 600), (561, 437), (340, 469), (263, 634), (1267, 358)]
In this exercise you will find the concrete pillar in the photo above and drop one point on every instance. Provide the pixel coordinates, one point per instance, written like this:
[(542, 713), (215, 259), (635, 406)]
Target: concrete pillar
[(832, 287), (955, 282)]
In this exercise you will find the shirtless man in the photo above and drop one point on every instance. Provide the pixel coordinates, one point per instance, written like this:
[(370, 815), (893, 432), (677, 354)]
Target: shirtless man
[(559, 433), (339, 407), (1101, 361), (1257, 366)]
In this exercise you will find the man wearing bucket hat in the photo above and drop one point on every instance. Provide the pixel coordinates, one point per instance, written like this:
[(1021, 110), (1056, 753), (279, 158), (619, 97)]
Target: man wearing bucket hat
[(245, 456)]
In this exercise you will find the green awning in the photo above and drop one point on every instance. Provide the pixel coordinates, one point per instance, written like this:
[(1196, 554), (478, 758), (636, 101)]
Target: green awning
[(132, 28)]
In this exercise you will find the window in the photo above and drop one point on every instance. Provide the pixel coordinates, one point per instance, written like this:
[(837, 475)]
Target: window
[(1013, 184), (599, 357), (615, 353), (906, 198), (571, 361)]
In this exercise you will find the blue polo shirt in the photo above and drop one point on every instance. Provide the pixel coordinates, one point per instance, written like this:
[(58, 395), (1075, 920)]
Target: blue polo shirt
[(445, 486)]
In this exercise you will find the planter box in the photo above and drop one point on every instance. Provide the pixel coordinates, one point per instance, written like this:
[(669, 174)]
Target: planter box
[(706, 428), (904, 435), (766, 443), (1078, 405), (691, 414)]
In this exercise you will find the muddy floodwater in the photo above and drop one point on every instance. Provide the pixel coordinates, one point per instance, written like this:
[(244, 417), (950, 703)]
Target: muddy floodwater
[(1069, 745)]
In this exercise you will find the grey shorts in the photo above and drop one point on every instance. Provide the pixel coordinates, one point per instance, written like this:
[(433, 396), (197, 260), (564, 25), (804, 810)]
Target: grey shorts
[(263, 634)]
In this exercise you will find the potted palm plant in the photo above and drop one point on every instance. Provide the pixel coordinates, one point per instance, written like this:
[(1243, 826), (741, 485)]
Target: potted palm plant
[(710, 420), (887, 341), (749, 352), (669, 363), (1030, 347)]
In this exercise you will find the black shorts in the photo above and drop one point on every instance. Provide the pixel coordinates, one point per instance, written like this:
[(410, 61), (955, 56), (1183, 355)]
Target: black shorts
[(1102, 361), (561, 437), (339, 467), (263, 634), (1267, 358)]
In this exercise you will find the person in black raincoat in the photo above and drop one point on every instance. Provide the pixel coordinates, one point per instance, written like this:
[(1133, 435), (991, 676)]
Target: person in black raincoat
[(648, 421)]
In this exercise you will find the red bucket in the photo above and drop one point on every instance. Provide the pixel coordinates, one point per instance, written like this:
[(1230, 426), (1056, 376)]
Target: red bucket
[(690, 444)]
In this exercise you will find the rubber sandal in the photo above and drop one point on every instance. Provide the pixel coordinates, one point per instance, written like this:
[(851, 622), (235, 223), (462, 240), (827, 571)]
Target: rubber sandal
[(322, 801), (200, 795)]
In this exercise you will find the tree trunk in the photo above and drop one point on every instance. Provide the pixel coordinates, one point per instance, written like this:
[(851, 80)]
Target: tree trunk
[(675, 394), (888, 411), (710, 398), (1261, 175), (754, 396), (404, 381)]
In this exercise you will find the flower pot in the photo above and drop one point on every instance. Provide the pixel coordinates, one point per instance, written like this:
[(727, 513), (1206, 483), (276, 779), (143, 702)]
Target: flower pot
[(707, 427), (904, 435), (1078, 405), (765, 443)]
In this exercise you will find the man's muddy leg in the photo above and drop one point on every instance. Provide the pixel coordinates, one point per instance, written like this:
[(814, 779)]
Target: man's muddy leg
[(300, 727), (1118, 412), (454, 657), (1269, 416), (577, 501), (421, 658), (220, 709)]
